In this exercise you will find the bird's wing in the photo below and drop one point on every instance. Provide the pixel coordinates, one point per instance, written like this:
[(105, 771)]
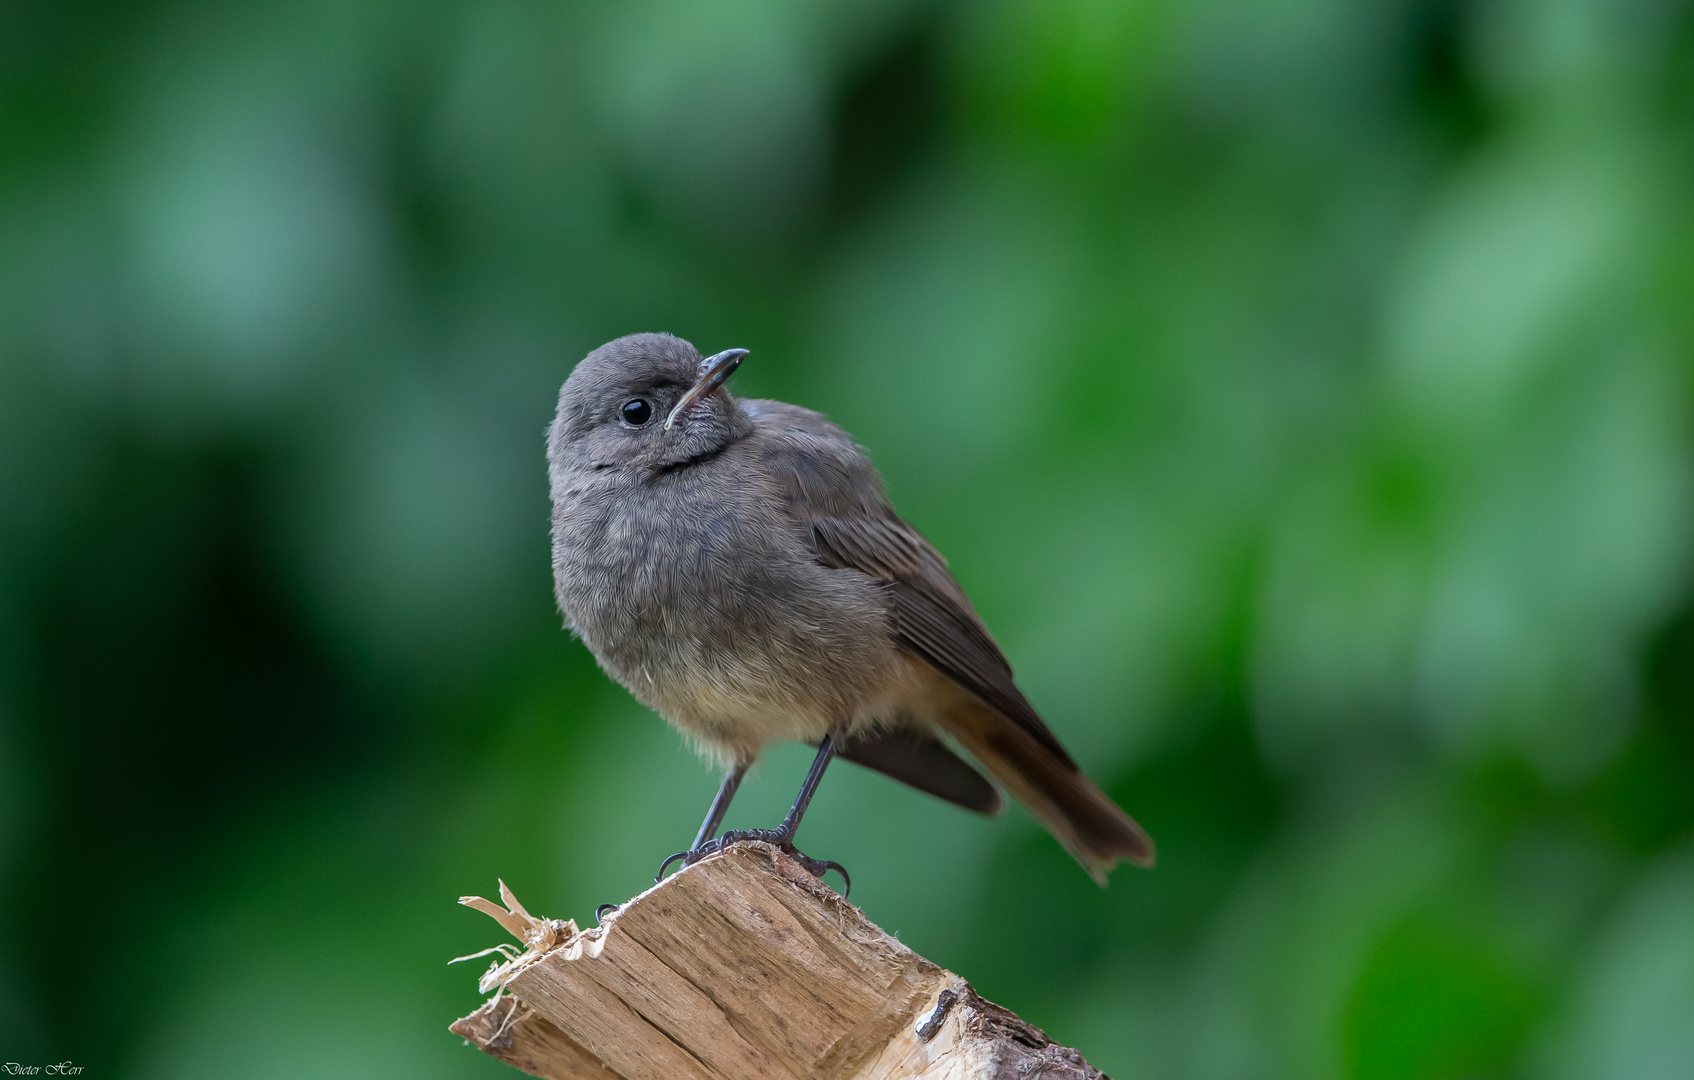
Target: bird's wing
[(932, 618), (923, 761), (836, 498)]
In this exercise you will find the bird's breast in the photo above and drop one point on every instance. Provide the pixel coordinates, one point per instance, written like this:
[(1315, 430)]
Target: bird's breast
[(709, 606)]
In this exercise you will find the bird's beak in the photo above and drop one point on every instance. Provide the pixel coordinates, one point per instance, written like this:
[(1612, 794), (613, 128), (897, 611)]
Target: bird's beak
[(713, 371)]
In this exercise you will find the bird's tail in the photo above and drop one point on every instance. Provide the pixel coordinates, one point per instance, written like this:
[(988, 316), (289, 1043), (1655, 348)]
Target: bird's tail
[(1078, 814)]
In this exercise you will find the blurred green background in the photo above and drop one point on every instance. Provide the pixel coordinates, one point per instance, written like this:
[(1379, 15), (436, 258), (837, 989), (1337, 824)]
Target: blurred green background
[(1301, 389)]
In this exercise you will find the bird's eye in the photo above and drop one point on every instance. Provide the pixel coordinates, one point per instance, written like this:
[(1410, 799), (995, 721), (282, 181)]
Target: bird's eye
[(636, 411)]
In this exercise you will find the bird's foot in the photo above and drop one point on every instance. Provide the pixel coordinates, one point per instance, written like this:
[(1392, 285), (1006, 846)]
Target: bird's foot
[(775, 837), (818, 867)]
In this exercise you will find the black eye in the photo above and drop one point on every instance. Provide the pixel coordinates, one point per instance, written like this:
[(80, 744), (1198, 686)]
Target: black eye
[(636, 412)]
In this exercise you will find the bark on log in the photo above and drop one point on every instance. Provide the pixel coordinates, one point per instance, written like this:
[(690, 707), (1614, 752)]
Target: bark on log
[(743, 966)]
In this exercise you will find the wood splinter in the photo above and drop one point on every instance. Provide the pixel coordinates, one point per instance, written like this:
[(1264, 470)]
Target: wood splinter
[(741, 966)]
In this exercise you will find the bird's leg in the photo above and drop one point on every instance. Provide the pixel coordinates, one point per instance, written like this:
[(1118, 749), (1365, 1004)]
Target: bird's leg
[(720, 804), (714, 816), (809, 787), (783, 835)]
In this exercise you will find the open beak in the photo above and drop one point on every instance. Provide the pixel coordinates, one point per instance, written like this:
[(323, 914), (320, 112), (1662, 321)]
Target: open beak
[(713, 371)]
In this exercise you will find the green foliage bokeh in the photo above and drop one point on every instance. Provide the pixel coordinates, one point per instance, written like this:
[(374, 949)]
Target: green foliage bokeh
[(1301, 390)]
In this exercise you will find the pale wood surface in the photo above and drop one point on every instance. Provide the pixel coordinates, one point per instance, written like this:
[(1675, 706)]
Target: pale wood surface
[(744, 966)]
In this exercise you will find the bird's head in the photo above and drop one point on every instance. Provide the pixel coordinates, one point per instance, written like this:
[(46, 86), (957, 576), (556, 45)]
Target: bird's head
[(646, 401)]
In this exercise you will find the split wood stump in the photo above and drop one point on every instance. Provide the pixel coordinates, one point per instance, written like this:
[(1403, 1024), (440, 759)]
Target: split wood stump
[(742, 966)]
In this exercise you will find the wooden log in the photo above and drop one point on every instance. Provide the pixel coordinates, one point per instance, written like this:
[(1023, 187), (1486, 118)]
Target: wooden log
[(742, 967)]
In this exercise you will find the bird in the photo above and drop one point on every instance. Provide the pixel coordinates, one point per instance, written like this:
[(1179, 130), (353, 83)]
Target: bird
[(738, 567)]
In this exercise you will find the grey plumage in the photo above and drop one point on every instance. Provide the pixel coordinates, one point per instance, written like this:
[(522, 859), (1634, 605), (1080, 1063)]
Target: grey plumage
[(742, 572)]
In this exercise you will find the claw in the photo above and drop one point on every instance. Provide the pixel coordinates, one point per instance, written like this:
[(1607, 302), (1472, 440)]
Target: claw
[(667, 864), (603, 908), (847, 881), (819, 867)]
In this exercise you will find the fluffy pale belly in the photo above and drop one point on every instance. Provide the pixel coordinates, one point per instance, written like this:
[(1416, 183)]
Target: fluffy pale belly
[(729, 723)]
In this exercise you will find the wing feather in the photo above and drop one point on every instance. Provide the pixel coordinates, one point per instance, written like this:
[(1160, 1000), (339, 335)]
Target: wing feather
[(836, 497)]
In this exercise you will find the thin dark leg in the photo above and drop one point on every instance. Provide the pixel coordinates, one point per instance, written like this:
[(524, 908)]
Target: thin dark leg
[(783, 835), (720, 805), (814, 776), (714, 816)]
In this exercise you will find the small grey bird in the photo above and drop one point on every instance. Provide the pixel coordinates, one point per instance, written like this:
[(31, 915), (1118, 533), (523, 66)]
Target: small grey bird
[(738, 567)]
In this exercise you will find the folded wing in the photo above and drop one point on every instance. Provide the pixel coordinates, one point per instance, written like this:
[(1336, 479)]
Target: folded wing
[(837, 500)]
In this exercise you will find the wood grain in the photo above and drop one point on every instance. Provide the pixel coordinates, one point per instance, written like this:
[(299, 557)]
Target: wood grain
[(745, 967)]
